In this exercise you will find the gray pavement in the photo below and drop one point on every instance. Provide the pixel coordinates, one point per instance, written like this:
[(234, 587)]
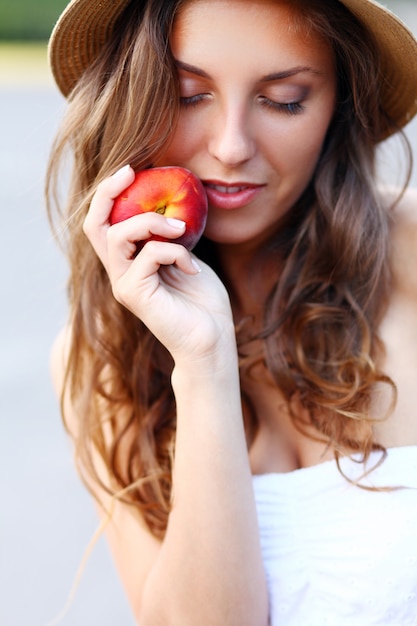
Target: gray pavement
[(46, 518)]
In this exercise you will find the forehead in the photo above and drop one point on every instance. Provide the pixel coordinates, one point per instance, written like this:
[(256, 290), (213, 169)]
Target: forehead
[(216, 30)]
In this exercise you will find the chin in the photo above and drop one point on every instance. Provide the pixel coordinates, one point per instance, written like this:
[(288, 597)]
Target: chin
[(238, 235)]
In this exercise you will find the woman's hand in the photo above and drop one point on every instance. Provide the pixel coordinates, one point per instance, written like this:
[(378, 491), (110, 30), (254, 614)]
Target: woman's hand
[(183, 303)]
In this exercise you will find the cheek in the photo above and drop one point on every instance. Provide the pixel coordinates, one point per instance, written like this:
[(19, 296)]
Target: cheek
[(310, 154), (303, 145), (294, 159), (183, 145)]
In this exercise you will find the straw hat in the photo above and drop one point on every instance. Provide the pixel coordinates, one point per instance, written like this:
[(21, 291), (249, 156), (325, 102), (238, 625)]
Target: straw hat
[(85, 25)]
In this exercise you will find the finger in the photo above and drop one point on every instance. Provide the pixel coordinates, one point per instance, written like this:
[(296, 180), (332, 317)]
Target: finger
[(96, 222), (141, 276), (123, 237), (106, 193), (155, 254), (136, 287)]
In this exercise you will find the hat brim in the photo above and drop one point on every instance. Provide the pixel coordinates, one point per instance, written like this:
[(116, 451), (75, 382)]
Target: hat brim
[(78, 36), (85, 25), (399, 58)]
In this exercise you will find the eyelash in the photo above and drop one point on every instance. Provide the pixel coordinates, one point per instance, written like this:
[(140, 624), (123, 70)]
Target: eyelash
[(191, 101), (290, 108)]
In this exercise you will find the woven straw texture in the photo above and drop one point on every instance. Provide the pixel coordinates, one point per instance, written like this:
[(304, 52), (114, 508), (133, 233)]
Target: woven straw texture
[(85, 25)]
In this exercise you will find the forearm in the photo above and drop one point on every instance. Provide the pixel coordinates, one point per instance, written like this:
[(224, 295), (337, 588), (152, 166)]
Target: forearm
[(210, 569)]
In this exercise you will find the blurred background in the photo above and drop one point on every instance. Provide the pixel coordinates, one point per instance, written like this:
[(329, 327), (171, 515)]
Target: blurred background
[(46, 518)]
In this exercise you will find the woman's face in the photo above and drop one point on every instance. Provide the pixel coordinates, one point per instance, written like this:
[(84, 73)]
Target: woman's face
[(257, 97)]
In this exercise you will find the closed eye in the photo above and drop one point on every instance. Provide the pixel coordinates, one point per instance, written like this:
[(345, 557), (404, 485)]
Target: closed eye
[(187, 101), (290, 108)]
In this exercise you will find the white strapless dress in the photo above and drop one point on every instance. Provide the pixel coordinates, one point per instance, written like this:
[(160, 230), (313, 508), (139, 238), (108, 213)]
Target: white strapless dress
[(336, 554)]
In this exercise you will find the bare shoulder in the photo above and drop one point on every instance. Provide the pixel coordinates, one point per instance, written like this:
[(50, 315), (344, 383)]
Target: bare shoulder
[(134, 548), (406, 208), (404, 243)]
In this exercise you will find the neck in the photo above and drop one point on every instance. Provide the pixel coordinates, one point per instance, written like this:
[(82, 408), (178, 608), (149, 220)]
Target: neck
[(252, 269), (249, 274)]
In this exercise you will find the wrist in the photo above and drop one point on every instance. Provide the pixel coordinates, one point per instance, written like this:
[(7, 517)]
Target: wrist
[(220, 360)]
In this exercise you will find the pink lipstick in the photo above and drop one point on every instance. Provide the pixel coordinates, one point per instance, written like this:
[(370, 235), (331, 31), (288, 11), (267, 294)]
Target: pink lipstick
[(230, 195)]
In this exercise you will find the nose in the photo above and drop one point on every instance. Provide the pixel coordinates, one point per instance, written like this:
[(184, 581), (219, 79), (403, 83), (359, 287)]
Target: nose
[(232, 142)]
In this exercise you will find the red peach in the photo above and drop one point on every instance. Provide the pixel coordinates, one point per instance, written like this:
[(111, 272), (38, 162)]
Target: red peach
[(172, 191)]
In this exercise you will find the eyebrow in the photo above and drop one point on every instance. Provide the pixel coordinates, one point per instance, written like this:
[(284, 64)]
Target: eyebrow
[(192, 69), (299, 69)]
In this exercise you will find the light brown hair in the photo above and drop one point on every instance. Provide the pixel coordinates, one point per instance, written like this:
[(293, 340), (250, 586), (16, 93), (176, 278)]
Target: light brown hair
[(320, 327)]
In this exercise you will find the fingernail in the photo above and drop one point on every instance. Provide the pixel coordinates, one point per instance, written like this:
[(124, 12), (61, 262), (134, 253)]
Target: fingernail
[(175, 223), (122, 171), (196, 265)]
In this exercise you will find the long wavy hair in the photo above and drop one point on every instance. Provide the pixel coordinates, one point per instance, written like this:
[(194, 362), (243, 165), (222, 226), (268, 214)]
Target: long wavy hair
[(319, 334)]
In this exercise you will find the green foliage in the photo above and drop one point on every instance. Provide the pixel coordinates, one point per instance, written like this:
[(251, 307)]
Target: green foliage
[(28, 20), (33, 20)]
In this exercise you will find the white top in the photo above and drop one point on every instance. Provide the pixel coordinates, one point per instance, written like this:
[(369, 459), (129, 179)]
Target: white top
[(335, 553)]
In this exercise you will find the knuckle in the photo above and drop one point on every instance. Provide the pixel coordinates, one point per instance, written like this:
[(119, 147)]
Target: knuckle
[(182, 252), (103, 186), (111, 235), (152, 247), (119, 293)]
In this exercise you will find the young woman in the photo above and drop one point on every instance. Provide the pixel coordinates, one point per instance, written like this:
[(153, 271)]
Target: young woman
[(246, 412)]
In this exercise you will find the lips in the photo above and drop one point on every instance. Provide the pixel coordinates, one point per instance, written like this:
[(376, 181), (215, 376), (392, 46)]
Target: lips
[(226, 189), (229, 196)]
